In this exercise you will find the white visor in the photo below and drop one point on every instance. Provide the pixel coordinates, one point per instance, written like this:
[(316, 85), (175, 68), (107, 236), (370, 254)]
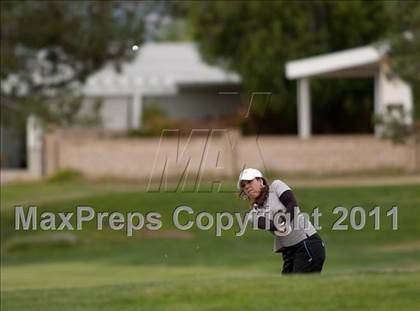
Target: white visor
[(248, 174)]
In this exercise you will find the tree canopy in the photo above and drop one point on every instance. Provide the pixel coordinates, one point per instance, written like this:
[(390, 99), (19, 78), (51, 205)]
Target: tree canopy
[(256, 39), (50, 47), (404, 38)]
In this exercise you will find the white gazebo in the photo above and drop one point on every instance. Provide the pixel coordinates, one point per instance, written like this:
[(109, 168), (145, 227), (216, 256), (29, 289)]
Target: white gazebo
[(368, 61)]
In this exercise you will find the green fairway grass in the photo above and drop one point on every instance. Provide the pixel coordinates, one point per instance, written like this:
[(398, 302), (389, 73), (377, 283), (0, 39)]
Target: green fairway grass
[(170, 269)]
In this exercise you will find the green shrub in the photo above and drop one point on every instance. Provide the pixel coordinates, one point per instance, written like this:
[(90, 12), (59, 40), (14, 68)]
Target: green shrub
[(393, 126), (66, 175), (153, 122)]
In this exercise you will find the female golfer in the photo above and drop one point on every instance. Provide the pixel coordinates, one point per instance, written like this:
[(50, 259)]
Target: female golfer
[(274, 208)]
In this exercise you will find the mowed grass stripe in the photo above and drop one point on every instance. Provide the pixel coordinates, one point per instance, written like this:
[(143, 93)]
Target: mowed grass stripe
[(370, 291)]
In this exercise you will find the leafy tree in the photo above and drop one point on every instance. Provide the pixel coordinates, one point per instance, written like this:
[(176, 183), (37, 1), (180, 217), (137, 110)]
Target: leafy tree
[(50, 47), (404, 41), (255, 39)]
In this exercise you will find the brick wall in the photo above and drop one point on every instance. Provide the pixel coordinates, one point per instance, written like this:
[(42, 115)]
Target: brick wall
[(345, 153), (221, 153)]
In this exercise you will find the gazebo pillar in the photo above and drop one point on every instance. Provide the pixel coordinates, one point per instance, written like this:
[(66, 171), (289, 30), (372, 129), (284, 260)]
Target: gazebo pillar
[(304, 108), (378, 98)]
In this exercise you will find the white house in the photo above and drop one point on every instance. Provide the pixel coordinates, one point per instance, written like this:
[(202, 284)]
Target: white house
[(390, 92), (171, 75)]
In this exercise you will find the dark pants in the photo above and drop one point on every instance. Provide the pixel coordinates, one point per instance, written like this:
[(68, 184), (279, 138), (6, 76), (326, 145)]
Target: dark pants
[(305, 257)]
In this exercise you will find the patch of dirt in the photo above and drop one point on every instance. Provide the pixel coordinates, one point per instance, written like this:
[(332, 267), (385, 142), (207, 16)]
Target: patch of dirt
[(401, 247), (166, 234)]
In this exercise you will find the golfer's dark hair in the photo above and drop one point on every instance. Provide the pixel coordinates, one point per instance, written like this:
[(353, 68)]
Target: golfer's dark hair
[(263, 195)]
